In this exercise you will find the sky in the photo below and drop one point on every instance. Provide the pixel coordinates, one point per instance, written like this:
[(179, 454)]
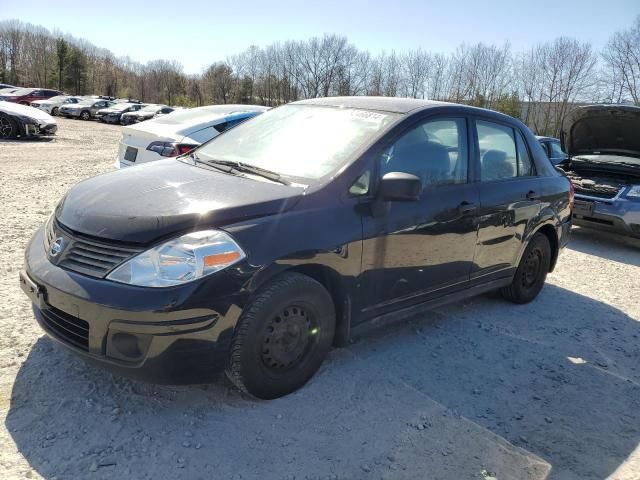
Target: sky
[(198, 32)]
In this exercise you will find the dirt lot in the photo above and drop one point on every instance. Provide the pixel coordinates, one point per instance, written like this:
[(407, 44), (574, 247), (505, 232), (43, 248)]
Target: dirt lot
[(479, 389)]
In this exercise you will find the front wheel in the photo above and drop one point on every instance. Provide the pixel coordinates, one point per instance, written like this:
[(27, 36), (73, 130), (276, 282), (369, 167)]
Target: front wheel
[(54, 111), (85, 115), (8, 127), (532, 271), (282, 337)]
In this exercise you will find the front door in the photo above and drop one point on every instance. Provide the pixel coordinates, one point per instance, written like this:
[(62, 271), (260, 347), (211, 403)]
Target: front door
[(414, 251)]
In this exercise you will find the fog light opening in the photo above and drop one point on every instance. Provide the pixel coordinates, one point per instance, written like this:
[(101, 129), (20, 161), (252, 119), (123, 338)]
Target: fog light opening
[(126, 345)]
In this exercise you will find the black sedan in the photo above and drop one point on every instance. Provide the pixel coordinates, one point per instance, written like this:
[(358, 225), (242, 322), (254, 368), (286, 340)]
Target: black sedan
[(257, 251)]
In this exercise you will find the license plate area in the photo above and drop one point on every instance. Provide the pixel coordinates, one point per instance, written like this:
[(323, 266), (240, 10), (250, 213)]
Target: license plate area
[(130, 154), (583, 207), (35, 292)]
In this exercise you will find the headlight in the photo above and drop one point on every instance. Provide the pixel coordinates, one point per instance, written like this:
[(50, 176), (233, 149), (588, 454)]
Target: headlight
[(181, 260), (634, 192)]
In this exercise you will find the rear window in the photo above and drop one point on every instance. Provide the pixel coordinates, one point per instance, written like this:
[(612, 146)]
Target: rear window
[(201, 114)]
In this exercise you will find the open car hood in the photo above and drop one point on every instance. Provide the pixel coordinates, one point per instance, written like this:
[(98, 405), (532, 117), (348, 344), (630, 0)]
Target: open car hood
[(602, 129)]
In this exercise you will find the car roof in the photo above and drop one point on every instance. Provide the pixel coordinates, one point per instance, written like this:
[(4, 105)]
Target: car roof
[(385, 104)]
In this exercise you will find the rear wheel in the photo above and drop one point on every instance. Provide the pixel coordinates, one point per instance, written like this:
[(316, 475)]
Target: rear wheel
[(282, 337), (532, 271), (8, 127), (85, 115)]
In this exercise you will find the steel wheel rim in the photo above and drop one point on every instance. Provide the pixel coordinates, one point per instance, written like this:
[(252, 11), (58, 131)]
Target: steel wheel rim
[(532, 266), (288, 338), (6, 127)]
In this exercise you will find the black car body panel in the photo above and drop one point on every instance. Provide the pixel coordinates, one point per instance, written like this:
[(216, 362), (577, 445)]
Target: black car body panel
[(164, 198), (375, 257)]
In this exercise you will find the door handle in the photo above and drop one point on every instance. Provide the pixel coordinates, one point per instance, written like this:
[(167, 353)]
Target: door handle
[(467, 207), (533, 195)]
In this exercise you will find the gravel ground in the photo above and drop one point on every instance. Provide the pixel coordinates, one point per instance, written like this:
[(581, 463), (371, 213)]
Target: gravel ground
[(477, 390)]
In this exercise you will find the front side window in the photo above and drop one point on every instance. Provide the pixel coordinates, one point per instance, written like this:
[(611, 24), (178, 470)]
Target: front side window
[(305, 141), (435, 151)]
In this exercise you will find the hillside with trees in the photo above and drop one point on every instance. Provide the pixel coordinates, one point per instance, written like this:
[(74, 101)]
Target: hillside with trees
[(539, 84)]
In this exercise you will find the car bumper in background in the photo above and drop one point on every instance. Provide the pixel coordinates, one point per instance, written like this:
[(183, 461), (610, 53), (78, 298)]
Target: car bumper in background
[(38, 129), (175, 335), (69, 113), (619, 215)]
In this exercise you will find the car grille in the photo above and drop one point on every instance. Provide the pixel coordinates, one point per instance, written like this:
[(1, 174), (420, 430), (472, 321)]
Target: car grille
[(95, 258), (67, 327)]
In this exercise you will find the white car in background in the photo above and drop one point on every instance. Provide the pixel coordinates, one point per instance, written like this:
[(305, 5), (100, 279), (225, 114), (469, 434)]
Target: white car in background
[(179, 132), (53, 104)]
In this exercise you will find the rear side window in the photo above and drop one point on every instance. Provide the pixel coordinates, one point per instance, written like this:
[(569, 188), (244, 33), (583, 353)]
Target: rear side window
[(503, 152), (525, 166), (435, 151)]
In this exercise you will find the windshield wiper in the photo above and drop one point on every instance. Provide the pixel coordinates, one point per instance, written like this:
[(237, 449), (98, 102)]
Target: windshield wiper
[(219, 167), (252, 169)]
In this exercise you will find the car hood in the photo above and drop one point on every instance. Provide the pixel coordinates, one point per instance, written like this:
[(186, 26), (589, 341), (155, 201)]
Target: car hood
[(602, 129), (27, 111), (152, 201)]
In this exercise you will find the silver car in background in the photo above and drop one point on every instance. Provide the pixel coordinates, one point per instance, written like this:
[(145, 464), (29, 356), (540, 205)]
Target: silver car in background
[(86, 109)]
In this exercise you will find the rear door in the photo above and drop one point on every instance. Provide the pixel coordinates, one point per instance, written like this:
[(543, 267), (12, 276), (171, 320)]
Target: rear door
[(510, 197)]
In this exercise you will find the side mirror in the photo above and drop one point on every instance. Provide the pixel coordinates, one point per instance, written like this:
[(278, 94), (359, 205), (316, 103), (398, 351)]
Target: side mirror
[(400, 187)]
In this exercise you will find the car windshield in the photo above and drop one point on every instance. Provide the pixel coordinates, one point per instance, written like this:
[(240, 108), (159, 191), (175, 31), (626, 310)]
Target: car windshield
[(306, 141), (151, 108), (58, 98)]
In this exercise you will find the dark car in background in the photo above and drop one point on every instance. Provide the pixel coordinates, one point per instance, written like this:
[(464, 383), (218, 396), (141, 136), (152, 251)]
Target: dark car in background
[(145, 113), (257, 251), (603, 146), (25, 96), (113, 113), (23, 121), (553, 148)]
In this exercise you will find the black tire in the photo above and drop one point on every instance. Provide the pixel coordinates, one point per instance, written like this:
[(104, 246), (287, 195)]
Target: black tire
[(54, 112), (8, 127), (282, 337), (85, 115), (532, 271)]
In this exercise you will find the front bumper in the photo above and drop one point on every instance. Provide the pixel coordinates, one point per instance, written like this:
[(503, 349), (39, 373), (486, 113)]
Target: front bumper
[(177, 335), (109, 119), (619, 215), (38, 129)]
